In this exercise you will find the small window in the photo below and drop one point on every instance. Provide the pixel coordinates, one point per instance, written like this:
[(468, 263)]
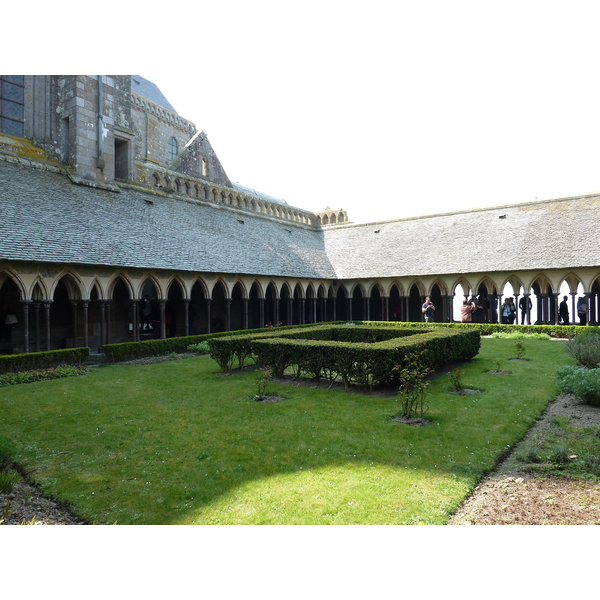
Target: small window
[(204, 168), (12, 101), (172, 149)]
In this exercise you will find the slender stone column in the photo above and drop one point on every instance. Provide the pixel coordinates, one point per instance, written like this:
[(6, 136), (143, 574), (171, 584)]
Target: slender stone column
[(208, 317), (36, 307), (108, 336), (186, 317), (527, 309), (135, 320), (261, 312), (366, 309), (163, 321), (85, 306), (103, 336), (554, 300), (244, 313), (74, 322), (227, 314), (385, 308), (47, 304), (26, 304), (349, 304), (276, 311)]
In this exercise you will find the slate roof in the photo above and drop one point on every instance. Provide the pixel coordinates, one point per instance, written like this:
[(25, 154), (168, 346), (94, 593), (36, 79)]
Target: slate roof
[(44, 217), (552, 234), (47, 218), (145, 88)]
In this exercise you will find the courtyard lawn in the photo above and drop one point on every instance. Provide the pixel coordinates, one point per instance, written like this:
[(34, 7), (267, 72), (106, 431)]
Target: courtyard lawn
[(175, 443)]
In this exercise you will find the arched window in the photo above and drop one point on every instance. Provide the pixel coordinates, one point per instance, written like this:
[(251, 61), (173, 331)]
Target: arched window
[(172, 149), (204, 168)]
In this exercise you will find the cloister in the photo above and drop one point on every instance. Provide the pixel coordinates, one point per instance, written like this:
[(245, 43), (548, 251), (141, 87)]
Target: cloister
[(88, 307)]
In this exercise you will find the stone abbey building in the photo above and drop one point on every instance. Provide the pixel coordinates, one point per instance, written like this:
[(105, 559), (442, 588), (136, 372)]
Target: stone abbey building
[(118, 222)]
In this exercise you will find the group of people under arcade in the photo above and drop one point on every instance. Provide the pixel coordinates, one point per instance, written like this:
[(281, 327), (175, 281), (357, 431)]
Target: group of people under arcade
[(475, 310)]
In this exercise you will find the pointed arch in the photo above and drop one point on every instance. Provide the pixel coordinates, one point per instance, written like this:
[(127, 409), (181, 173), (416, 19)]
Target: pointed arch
[(8, 274), (72, 283), (38, 290)]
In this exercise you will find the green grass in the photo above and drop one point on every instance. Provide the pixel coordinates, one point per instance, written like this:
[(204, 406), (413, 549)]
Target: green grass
[(173, 443)]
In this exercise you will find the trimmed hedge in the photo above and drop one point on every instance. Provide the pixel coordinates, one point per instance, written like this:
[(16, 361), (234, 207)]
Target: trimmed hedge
[(12, 363), (133, 350), (363, 354), (555, 331)]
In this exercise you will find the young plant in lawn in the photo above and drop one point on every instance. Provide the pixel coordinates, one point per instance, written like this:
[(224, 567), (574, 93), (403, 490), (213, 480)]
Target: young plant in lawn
[(412, 392), (519, 349), (263, 382), (456, 379)]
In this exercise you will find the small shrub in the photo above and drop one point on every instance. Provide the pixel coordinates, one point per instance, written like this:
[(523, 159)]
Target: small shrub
[(585, 348), (559, 455), (581, 382), (456, 379), (519, 349), (413, 386), (263, 381), (199, 348)]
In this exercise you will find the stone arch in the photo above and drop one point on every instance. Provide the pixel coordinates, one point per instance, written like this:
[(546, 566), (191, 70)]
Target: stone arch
[(238, 318), (286, 313), (119, 317), (416, 296), (72, 283), (299, 299), (272, 307), (374, 304), (11, 334), (341, 303), (38, 290), (199, 308), (176, 319), (256, 308), (6, 275), (310, 305), (219, 307), (397, 303)]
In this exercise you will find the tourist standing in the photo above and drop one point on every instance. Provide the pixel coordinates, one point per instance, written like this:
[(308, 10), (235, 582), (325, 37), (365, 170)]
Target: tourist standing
[(563, 311), (428, 309)]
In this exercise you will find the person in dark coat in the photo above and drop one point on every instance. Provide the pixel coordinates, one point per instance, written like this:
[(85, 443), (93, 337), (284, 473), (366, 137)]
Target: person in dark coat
[(563, 311)]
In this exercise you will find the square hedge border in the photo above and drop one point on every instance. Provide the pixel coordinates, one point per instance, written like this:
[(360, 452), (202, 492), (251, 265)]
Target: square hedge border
[(365, 354)]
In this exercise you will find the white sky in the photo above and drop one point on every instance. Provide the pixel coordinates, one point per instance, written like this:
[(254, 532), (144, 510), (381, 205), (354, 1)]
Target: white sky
[(383, 108)]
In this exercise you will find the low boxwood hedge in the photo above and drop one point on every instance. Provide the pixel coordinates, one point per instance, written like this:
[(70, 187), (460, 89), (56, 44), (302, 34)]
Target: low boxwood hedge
[(133, 350), (12, 363), (555, 331), (364, 354)]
